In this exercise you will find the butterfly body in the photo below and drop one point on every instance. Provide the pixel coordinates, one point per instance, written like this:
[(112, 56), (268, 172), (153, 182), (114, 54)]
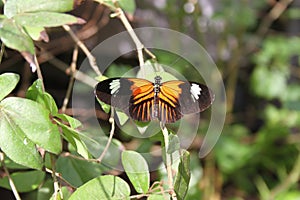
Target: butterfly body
[(144, 101)]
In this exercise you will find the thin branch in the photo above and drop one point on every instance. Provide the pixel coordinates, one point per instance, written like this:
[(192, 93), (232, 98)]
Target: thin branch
[(168, 162), (39, 72), (91, 58), (139, 46), (71, 82), (274, 14), (11, 182), (58, 175), (2, 50), (57, 190), (111, 134)]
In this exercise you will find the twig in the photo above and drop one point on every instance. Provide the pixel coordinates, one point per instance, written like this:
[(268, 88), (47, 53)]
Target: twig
[(71, 82), (168, 162), (139, 46), (91, 58), (57, 190), (2, 50), (274, 14), (111, 134), (11, 182), (58, 175), (39, 72)]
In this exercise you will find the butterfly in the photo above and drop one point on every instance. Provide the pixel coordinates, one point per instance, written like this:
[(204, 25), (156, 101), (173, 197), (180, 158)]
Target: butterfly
[(144, 100)]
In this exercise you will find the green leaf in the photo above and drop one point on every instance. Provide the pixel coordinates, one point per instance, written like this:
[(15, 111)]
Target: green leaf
[(24, 181), (183, 176), (137, 170), (13, 36), (36, 93), (8, 81), (45, 191), (122, 117), (29, 120), (158, 197), (73, 137), (78, 172), (128, 6), (174, 143), (37, 33), (15, 144), (73, 122), (44, 19), (13, 7), (104, 106), (96, 145), (103, 187)]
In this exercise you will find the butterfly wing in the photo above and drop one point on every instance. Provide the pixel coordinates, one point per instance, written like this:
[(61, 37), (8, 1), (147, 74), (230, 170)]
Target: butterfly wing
[(178, 98), (132, 95)]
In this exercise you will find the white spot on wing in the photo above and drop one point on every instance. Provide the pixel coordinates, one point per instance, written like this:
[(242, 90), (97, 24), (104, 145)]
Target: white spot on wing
[(195, 91), (114, 86)]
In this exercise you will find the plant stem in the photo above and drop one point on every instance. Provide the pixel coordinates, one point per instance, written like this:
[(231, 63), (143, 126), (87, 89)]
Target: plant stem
[(91, 58), (111, 134), (71, 82), (39, 72), (57, 190), (11, 182), (168, 162)]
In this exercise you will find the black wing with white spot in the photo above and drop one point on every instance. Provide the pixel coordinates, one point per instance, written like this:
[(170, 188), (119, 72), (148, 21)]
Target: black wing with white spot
[(191, 97)]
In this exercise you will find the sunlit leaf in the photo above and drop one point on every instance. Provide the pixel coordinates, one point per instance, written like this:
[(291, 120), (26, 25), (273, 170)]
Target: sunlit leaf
[(36, 93), (137, 170), (37, 33), (13, 36), (28, 120), (45, 19), (8, 81), (13, 7), (103, 187), (128, 5)]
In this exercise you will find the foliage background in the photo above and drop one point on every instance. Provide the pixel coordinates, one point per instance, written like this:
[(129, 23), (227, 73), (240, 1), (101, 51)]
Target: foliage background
[(255, 45)]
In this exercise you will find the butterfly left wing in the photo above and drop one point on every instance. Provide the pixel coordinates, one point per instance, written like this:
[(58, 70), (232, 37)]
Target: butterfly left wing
[(132, 95), (182, 97)]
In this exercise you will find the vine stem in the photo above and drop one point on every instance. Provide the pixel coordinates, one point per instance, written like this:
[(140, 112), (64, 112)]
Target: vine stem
[(91, 58), (72, 79), (168, 162), (57, 190), (274, 14), (39, 72), (111, 134), (139, 46), (11, 182)]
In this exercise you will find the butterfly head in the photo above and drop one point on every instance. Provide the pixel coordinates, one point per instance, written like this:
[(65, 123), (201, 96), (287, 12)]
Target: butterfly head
[(157, 80)]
